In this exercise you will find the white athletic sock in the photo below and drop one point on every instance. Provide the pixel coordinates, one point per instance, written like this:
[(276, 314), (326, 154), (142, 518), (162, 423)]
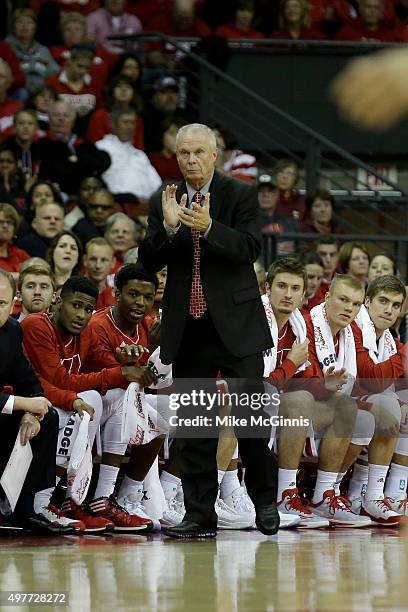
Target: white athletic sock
[(376, 481), (358, 481), (286, 480), (221, 475), (42, 499), (337, 484), (396, 483), (106, 481), (229, 483), (324, 482), (129, 487), (169, 481)]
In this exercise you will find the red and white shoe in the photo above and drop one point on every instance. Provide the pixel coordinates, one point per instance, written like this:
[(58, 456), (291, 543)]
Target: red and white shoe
[(337, 510), (93, 524), (381, 513), (58, 518), (399, 505), (292, 503), (108, 508)]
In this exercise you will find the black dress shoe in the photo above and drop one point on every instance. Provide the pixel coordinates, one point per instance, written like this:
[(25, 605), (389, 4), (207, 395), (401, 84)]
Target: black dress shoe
[(267, 519), (188, 529)]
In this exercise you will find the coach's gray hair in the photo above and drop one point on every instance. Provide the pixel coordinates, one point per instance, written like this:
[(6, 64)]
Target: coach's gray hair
[(120, 216), (197, 127)]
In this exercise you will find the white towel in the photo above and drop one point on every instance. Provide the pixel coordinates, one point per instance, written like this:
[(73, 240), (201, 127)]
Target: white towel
[(298, 325), (386, 346), (79, 471), (325, 350)]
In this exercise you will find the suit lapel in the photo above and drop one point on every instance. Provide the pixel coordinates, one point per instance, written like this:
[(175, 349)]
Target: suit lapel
[(216, 195)]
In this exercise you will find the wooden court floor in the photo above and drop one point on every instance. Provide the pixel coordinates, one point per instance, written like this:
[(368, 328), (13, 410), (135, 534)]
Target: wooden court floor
[(344, 569)]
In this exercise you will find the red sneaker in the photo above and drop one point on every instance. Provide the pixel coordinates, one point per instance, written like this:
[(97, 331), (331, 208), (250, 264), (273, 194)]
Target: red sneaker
[(93, 524), (57, 517), (109, 508)]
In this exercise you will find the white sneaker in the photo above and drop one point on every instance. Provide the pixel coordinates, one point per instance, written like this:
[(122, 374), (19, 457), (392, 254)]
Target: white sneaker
[(288, 521), (171, 515), (232, 513), (355, 504), (57, 518), (132, 503), (292, 504), (381, 513), (399, 505), (337, 510)]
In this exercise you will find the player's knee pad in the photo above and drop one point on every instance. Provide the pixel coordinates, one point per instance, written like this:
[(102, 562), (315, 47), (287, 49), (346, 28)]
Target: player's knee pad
[(364, 428), (112, 434)]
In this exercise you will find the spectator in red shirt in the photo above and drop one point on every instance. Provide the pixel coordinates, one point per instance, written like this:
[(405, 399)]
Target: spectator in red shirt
[(65, 257), (180, 20), (294, 22), (81, 6), (98, 260), (10, 256), (241, 26), (354, 259), (319, 214), (165, 162), (290, 203), (7, 106), (41, 101), (121, 233), (121, 95), (231, 160), (370, 25), (23, 142)]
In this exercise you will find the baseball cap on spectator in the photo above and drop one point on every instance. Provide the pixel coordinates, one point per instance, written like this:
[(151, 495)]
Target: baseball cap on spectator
[(167, 82), (265, 180)]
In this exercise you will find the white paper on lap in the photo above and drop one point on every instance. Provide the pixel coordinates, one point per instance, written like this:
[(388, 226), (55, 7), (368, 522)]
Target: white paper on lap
[(16, 470)]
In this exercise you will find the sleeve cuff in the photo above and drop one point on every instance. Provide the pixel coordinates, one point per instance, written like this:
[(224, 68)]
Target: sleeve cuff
[(207, 231), (171, 231), (8, 406)]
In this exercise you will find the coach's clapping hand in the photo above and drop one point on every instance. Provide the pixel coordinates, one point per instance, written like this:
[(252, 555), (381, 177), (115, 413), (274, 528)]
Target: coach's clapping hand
[(29, 427), (171, 207), (143, 376), (36, 405), (299, 353), (80, 407), (198, 216), (334, 380)]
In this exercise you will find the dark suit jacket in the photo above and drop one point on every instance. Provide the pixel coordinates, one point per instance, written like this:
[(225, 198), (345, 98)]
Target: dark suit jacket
[(15, 369), (227, 273)]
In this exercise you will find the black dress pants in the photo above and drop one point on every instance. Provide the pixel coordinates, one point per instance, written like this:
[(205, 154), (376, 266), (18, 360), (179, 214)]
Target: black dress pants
[(41, 473), (202, 355)]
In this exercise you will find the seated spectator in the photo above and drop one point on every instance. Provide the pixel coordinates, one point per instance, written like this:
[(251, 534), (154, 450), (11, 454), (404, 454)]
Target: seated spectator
[(75, 85), (8, 106), (98, 208), (20, 412), (130, 170), (41, 192), (121, 233), (73, 32), (370, 25), (64, 257), (112, 20), (231, 160), (382, 264), (294, 22), (84, 7), (77, 206), (354, 259), (315, 288), (36, 60), (328, 250), (290, 203), (319, 214), (241, 26), (66, 159), (10, 255), (23, 143), (165, 162), (162, 106), (179, 19), (13, 184), (40, 102), (130, 66), (271, 221), (121, 95), (35, 289), (99, 260), (48, 221), (8, 55)]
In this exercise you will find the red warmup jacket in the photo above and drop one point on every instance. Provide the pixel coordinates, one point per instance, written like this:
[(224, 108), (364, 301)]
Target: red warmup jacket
[(58, 361)]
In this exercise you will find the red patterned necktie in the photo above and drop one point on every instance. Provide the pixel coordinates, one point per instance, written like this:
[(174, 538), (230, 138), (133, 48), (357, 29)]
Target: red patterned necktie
[(197, 305)]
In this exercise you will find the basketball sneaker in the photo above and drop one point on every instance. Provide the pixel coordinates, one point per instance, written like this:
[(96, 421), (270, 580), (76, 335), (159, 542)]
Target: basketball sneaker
[(133, 503), (336, 510), (108, 508), (292, 504), (355, 504), (399, 505), (171, 514), (93, 524), (232, 511), (381, 513), (58, 519)]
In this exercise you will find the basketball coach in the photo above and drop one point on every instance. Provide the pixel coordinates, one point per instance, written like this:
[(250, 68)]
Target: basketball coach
[(205, 229)]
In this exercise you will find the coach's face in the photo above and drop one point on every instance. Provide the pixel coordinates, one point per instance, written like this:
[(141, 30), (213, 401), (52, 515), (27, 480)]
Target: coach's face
[(196, 157), (6, 300)]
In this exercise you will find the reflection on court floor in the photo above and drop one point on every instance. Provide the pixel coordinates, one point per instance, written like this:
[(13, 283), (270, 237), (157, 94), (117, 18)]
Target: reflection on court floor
[(340, 570)]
